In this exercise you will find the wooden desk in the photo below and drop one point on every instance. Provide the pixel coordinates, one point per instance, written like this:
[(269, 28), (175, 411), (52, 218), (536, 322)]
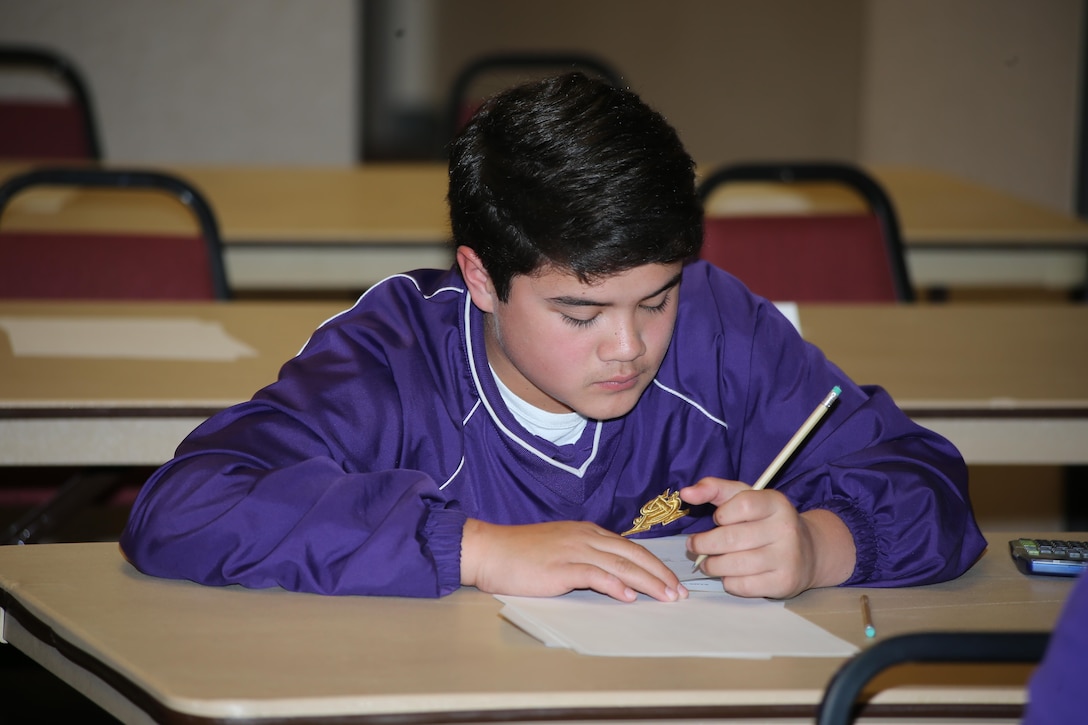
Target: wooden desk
[(174, 651), (76, 411), (343, 228), (1006, 384)]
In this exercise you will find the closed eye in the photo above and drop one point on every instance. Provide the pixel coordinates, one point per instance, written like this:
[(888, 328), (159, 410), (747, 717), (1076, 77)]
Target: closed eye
[(578, 321), (661, 306)]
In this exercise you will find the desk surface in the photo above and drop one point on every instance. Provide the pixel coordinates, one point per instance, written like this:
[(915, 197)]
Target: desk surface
[(406, 204), (939, 358), (188, 653), (1005, 383)]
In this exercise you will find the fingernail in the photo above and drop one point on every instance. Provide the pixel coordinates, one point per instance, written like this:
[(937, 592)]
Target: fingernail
[(672, 594), (629, 594), (683, 591)]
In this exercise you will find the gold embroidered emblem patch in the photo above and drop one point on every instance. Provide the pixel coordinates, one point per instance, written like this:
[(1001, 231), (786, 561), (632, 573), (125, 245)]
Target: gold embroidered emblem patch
[(662, 509)]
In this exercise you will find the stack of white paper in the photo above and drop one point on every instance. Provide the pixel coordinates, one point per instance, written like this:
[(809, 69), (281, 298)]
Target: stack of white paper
[(706, 624)]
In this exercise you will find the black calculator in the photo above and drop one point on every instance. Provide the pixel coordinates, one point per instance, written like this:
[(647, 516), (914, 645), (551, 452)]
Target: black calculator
[(1056, 557)]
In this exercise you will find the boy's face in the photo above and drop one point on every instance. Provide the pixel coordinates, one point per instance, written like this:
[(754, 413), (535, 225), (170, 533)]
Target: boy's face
[(563, 345)]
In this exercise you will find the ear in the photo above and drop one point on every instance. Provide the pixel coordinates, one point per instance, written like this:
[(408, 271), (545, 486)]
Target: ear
[(477, 279)]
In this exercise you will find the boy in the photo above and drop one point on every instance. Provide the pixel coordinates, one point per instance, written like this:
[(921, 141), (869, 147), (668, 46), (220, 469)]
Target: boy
[(500, 424)]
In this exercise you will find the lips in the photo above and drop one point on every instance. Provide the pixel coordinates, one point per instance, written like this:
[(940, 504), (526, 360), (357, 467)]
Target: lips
[(620, 382)]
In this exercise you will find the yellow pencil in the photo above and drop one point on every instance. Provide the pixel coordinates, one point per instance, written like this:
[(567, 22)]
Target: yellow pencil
[(787, 450)]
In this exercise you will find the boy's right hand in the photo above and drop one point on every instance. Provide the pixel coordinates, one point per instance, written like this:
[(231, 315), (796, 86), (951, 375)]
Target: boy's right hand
[(549, 559)]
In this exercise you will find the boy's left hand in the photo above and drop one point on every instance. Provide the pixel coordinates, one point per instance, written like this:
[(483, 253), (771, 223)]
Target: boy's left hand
[(761, 546)]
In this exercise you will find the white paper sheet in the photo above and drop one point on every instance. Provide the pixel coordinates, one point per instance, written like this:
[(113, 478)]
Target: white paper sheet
[(710, 623), (147, 338), (703, 625), (672, 551), (792, 313)]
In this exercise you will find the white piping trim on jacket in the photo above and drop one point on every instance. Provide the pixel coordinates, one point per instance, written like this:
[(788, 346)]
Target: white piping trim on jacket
[(355, 304), (579, 472), (692, 403)]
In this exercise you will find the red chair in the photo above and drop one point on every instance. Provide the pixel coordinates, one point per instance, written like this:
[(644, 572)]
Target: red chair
[(47, 129), (105, 266), (491, 73), (101, 266), (809, 257)]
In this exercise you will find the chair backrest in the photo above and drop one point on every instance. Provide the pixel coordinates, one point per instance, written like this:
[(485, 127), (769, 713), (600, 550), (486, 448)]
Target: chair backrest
[(50, 129), (840, 699), (470, 85), (78, 264), (809, 255)]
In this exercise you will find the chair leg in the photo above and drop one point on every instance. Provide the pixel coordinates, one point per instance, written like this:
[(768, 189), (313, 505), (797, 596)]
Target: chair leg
[(77, 492)]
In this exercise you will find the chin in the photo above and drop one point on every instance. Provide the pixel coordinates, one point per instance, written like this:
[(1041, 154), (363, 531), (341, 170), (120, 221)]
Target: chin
[(610, 409)]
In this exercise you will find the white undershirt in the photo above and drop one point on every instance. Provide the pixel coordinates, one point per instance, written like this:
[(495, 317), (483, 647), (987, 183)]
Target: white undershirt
[(558, 428)]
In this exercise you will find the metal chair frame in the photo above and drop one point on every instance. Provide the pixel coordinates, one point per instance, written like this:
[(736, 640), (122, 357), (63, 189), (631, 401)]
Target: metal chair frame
[(514, 61), (133, 179), (839, 703), (64, 71), (878, 201)]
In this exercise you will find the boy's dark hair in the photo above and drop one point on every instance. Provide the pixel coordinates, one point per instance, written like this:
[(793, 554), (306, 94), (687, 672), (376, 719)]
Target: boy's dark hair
[(571, 173)]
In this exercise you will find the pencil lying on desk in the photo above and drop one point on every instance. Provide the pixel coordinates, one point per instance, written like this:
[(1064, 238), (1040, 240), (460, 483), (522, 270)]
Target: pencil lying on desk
[(867, 617), (787, 450)]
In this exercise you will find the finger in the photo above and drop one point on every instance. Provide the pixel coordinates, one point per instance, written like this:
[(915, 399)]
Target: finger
[(639, 569), (740, 563), (730, 538), (772, 585), (715, 491), (588, 576), (750, 505)]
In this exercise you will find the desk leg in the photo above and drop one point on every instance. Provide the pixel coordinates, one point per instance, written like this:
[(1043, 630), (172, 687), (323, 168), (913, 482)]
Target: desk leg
[(1076, 498)]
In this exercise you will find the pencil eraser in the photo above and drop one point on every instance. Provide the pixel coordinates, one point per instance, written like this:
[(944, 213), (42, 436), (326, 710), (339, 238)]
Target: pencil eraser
[(836, 390), (870, 631)]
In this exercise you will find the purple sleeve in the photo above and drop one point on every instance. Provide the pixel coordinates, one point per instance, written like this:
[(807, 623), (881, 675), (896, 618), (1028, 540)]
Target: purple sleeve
[(1056, 689), (900, 489), (216, 519), (302, 487)]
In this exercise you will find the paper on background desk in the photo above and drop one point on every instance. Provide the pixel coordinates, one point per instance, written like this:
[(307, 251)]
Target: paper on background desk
[(146, 338), (791, 312), (709, 623)]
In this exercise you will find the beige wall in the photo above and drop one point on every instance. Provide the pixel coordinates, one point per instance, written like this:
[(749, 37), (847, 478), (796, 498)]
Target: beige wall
[(984, 88), (768, 79), (259, 81)]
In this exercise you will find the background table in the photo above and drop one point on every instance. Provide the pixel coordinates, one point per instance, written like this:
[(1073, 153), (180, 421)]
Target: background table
[(181, 652), (109, 411), (313, 228), (1005, 383)]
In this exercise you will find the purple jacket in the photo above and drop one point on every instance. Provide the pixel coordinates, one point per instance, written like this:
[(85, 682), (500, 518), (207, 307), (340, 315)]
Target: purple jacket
[(1056, 689), (355, 471)]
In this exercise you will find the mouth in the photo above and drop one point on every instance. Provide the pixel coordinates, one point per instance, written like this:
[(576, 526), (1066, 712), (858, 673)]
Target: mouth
[(620, 382)]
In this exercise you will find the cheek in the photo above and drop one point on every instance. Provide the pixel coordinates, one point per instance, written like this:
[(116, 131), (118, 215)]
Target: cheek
[(658, 334), (543, 345)]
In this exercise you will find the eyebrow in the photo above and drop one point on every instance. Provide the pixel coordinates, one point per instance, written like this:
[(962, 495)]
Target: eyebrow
[(583, 302)]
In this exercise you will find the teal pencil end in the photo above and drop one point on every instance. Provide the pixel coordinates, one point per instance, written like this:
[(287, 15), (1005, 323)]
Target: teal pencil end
[(870, 631), (836, 390)]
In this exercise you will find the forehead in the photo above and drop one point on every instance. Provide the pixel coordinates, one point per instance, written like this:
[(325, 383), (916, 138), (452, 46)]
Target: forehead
[(635, 283)]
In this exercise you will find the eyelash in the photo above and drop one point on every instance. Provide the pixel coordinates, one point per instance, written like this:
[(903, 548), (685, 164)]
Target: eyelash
[(654, 310)]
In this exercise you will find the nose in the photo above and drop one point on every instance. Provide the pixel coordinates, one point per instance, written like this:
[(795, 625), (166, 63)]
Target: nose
[(623, 342)]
